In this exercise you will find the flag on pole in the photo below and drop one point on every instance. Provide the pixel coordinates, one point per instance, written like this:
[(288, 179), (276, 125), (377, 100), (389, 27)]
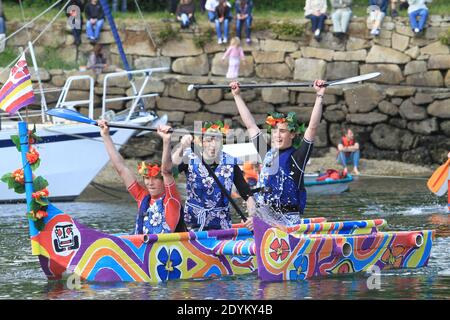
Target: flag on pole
[(17, 92)]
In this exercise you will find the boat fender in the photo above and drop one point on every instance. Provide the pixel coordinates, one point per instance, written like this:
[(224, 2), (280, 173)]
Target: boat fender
[(416, 240)]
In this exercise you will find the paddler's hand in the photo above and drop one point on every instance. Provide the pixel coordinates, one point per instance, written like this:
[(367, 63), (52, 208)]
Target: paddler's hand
[(104, 129), (318, 86), (186, 141), (164, 132), (235, 88), (249, 223)]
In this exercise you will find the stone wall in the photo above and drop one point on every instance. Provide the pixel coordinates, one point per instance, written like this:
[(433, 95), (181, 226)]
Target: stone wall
[(402, 115)]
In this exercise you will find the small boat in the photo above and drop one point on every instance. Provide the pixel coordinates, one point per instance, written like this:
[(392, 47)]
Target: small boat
[(326, 187), (314, 247)]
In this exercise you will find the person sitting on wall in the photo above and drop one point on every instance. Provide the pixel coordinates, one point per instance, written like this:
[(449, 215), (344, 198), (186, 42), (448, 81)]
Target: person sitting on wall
[(2, 28), (418, 14), (341, 15), (316, 11), (210, 7), (95, 19), (349, 151), (403, 5), (377, 10), (185, 13)]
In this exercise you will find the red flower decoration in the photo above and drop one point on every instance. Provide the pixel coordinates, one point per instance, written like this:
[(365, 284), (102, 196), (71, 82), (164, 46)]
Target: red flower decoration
[(32, 156), (280, 249), (148, 170), (18, 176), (271, 121), (40, 194)]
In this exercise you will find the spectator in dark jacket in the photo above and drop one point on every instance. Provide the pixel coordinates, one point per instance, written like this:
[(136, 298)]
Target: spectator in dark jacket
[(185, 13), (75, 21), (223, 17), (95, 19), (244, 15)]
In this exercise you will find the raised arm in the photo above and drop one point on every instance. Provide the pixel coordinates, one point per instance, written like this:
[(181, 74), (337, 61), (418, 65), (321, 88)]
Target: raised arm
[(118, 162), (316, 114), (166, 161), (245, 114), (177, 156)]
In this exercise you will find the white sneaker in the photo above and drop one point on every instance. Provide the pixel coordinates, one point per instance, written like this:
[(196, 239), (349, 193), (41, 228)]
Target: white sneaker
[(219, 41), (317, 32), (416, 30), (225, 40)]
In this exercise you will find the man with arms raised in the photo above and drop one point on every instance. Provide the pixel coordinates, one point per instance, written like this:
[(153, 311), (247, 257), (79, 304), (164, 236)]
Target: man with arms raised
[(284, 164)]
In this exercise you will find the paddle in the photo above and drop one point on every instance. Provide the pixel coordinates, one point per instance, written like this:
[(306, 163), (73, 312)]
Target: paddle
[(438, 180), (78, 117), (360, 78)]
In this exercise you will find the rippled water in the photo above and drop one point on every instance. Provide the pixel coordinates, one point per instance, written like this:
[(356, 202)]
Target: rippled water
[(405, 203)]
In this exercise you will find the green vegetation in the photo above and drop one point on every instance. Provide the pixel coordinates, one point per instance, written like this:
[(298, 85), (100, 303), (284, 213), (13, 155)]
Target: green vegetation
[(167, 34), (50, 59), (287, 29), (445, 37), (7, 56), (203, 38)]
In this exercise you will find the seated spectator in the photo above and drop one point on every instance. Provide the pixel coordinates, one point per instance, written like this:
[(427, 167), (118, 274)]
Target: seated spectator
[(96, 60), (244, 15), (95, 19), (316, 10), (2, 28), (403, 5), (377, 10), (210, 7), (348, 152), (341, 15), (115, 6), (418, 14), (223, 18), (74, 10), (185, 13)]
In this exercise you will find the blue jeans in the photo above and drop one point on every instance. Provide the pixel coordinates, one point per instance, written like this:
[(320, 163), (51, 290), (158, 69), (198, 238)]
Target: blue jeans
[(422, 14), (248, 24), (225, 29), (115, 5), (317, 22), (94, 32), (185, 21), (352, 158), (2, 25), (211, 16)]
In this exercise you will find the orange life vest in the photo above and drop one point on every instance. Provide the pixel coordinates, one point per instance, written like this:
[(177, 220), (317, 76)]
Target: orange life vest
[(347, 143)]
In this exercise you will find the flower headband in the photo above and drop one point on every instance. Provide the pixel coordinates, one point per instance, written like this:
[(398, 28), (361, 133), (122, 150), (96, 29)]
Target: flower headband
[(294, 125), (215, 126), (147, 170)]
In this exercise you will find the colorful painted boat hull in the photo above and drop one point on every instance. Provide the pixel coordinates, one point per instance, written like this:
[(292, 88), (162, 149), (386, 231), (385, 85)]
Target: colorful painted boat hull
[(282, 256)]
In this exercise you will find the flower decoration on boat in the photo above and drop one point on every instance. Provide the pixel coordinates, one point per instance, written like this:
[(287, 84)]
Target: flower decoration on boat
[(217, 126), (149, 170), (301, 268), (40, 194), (293, 124), (280, 249), (169, 260), (16, 180), (32, 156), (393, 257)]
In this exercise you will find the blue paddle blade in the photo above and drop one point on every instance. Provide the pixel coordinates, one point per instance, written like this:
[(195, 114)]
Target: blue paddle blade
[(70, 115)]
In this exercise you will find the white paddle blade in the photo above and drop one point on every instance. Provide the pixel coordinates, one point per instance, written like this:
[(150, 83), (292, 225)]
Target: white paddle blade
[(444, 187), (190, 87), (362, 77)]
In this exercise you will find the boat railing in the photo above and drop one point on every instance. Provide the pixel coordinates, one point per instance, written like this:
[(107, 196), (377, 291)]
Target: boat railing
[(62, 103), (137, 93)]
